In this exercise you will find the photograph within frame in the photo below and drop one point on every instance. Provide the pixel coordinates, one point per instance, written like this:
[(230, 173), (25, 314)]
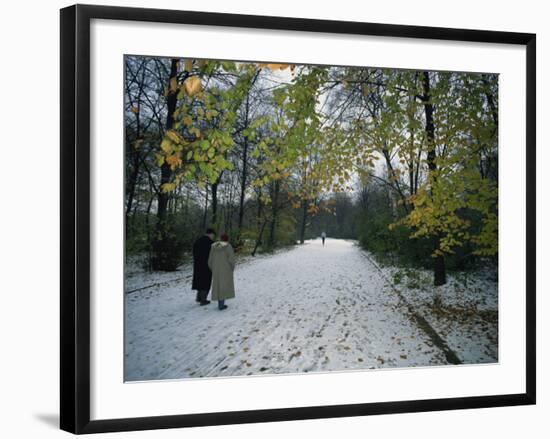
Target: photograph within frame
[(400, 167)]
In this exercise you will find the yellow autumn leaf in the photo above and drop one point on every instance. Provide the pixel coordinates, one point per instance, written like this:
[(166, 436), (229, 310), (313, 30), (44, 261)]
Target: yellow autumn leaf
[(160, 159), (174, 137), (193, 85), (134, 109), (173, 85), (195, 131), (188, 65), (173, 161), (277, 66), (166, 146), (168, 187)]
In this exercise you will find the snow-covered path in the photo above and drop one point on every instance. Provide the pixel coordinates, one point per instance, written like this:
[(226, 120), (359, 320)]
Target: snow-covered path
[(311, 308)]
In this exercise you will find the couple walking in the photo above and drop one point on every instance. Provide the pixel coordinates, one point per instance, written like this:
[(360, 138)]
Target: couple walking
[(213, 265)]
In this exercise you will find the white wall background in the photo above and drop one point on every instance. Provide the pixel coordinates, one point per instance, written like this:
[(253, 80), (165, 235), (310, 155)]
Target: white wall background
[(29, 249)]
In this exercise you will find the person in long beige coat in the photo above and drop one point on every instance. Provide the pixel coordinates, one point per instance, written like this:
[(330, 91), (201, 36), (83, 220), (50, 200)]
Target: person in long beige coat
[(222, 263)]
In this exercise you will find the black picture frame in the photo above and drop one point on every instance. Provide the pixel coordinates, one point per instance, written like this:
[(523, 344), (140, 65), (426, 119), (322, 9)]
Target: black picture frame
[(75, 218)]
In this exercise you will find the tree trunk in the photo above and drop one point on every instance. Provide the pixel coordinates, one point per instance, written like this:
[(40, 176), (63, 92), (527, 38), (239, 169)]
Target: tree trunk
[(259, 238), (215, 202), (134, 152), (394, 179), (243, 186), (244, 173), (440, 277), (162, 260), (149, 237), (274, 214), (304, 222), (491, 168), (205, 213), (131, 185)]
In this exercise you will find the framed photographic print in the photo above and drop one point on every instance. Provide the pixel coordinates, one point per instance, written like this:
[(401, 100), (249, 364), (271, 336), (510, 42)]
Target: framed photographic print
[(272, 218)]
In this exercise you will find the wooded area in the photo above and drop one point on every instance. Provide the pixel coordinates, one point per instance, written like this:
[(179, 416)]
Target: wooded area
[(404, 161)]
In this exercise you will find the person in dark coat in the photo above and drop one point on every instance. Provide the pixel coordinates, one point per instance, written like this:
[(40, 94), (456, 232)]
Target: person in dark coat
[(202, 276)]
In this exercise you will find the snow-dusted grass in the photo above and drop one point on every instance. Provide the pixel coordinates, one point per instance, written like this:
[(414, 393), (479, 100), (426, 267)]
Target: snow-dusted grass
[(464, 311), (308, 309), (137, 277)]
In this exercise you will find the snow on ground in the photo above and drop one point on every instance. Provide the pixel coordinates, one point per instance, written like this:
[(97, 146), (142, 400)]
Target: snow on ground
[(137, 278), (464, 311), (311, 308)]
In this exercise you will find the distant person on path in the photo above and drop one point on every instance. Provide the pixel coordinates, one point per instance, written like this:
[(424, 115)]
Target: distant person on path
[(222, 263), (323, 237), (202, 276)]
